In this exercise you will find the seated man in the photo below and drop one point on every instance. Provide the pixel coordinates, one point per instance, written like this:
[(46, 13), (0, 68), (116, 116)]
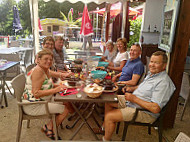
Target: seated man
[(152, 94), (59, 55), (132, 70)]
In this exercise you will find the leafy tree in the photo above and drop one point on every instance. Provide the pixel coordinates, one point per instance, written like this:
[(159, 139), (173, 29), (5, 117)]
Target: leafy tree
[(135, 27), (6, 16)]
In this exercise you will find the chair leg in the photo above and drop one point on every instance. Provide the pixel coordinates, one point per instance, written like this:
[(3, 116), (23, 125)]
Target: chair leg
[(117, 129), (28, 123), (184, 107), (55, 126), (125, 131), (160, 133), (19, 129), (149, 130)]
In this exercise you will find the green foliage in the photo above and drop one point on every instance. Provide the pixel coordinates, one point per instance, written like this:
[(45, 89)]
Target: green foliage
[(135, 27), (69, 21)]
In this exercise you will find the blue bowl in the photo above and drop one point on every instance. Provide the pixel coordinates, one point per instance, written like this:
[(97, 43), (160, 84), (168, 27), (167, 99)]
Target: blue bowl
[(97, 57), (103, 64), (98, 74)]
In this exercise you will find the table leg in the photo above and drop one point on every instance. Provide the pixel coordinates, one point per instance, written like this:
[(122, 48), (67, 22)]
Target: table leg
[(84, 120), (3, 91), (9, 89)]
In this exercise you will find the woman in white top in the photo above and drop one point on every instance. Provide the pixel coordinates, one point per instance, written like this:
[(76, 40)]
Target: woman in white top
[(122, 56)]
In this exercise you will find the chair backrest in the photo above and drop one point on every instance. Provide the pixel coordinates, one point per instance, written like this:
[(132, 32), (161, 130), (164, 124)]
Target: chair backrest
[(28, 68), (185, 87), (182, 138), (147, 63), (28, 57), (14, 44), (142, 76), (164, 109), (18, 84)]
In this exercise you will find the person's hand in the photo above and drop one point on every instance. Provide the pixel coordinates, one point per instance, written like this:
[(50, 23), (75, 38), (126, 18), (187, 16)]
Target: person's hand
[(127, 89), (61, 88), (129, 97), (114, 78), (65, 74), (121, 82)]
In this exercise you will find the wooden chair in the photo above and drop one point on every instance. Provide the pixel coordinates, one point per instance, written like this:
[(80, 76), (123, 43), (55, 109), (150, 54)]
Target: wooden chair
[(184, 92), (18, 84), (157, 123)]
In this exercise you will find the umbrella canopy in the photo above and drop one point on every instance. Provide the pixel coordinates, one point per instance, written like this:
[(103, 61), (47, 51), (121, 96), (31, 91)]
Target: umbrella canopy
[(16, 20), (86, 26), (115, 10), (40, 26)]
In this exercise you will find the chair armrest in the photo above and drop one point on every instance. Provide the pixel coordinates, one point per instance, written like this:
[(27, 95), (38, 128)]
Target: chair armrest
[(37, 102), (136, 113)]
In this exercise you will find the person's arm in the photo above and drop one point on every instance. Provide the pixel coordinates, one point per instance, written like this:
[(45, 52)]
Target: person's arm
[(60, 75), (151, 106), (122, 64), (116, 76), (38, 78), (133, 81)]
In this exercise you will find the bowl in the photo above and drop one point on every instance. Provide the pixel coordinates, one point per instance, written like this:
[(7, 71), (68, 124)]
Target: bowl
[(103, 64), (97, 57), (76, 69), (71, 83), (95, 93), (98, 74)]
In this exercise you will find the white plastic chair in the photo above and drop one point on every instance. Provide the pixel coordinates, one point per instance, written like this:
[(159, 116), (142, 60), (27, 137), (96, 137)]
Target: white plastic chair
[(185, 91), (18, 84), (182, 138)]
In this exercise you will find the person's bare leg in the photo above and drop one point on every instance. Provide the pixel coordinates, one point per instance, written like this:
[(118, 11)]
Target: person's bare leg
[(109, 107), (61, 117), (110, 122)]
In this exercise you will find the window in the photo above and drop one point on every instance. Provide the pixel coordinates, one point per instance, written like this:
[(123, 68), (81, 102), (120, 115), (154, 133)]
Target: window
[(49, 29), (55, 28)]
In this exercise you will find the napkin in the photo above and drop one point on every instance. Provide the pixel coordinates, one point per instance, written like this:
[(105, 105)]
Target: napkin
[(72, 90)]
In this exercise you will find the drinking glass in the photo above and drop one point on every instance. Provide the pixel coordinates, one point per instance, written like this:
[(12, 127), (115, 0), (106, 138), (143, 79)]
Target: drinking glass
[(79, 86)]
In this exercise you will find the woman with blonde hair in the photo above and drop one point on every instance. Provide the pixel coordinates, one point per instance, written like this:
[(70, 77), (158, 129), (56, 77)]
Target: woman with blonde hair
[(122, 56), (39, 87)]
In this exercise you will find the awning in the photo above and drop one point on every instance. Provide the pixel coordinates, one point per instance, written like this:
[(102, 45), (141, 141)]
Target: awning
[(115, 10)]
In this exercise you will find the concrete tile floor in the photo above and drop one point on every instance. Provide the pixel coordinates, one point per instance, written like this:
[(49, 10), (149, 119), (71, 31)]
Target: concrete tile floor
[(9, 120)]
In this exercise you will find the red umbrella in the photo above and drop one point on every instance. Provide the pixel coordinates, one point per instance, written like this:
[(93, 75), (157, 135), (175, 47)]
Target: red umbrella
[(115, 9), (40, 26), (86, 26)]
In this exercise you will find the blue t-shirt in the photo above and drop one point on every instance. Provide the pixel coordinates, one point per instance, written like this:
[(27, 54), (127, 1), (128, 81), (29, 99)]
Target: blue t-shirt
[(130, 68)]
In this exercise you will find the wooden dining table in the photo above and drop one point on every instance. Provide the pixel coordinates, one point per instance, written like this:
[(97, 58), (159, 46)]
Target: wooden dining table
[(103, 98)]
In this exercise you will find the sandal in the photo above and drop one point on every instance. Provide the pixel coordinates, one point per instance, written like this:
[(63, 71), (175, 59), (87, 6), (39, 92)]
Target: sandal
[(98, 131), (46, 130)]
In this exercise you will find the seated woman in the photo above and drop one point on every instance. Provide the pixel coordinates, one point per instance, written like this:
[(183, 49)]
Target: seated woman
[(122, 56), (110, 52), (49, 43), (39, 87)]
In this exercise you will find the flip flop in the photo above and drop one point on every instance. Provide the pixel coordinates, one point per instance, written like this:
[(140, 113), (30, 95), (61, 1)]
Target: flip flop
[(98, 131)]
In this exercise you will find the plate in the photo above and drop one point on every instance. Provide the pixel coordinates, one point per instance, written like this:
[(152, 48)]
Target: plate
[(115, 88)]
